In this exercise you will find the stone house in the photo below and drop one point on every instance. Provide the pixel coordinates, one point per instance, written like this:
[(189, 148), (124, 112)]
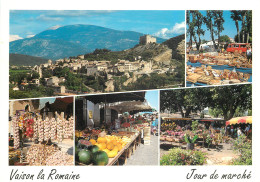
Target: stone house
[(54, 81), (92, 70)]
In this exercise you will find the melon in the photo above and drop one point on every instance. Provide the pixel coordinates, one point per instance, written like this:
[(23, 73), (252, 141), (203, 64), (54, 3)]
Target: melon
[(85, 156), (94, 148), (100, 158)]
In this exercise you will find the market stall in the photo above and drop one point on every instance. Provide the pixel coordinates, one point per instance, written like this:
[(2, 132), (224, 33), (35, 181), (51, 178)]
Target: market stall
[(214, 68), (41, 137), (243, 123), (240, 120), (119, 132), (181, 131)]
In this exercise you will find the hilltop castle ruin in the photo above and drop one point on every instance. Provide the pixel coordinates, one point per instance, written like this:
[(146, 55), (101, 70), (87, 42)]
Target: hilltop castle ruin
[(146, 39)]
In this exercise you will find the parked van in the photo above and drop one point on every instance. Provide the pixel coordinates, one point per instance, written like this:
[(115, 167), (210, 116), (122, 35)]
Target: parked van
[(239, 47)]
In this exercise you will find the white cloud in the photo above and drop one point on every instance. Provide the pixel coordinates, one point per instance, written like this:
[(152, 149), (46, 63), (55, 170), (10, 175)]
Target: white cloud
[(42, 17), (178, 28), (14, 37), (75, 13), (29, 36), (55, 27)]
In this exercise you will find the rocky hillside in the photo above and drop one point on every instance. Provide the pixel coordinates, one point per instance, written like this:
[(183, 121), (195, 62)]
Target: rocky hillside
[(177, 44), (157, 52)]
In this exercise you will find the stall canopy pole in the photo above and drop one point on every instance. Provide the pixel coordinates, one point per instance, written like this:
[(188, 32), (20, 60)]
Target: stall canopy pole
[(105, 108), (85, 111)]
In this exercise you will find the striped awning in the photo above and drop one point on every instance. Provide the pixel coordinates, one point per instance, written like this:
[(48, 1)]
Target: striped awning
[(240, 120)]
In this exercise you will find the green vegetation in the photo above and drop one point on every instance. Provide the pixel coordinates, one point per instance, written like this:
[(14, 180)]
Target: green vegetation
[(179, 156), (153, 81), (18, 75), (224, 38), (31, 91), (104, 54), (243, 147), (97, 83), (196, 99), (25, 60), (119, 80), (195, 125)]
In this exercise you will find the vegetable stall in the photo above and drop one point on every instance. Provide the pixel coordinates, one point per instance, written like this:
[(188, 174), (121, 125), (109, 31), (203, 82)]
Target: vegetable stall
[(112, 126)]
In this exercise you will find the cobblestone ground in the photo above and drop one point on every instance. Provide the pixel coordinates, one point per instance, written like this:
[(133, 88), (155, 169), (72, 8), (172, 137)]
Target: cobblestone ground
[(145, 154)]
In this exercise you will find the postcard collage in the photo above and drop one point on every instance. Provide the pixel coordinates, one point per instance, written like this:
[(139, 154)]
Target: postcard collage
[(130, 87)]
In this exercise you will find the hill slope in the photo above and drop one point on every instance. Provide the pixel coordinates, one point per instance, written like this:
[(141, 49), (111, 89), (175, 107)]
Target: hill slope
[(73, 40), (173, 48), (25, 60), (177, 44)]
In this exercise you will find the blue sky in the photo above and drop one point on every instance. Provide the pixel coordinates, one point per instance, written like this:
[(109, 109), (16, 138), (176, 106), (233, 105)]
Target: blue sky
[(152, 98), (229, 27), (165, 24), (43, 101)]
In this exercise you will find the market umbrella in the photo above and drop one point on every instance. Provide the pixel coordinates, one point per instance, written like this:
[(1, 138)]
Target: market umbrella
[(240, 120)]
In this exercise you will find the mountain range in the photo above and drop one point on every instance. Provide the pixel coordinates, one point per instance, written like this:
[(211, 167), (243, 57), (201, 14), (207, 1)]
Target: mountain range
[(71, 40)]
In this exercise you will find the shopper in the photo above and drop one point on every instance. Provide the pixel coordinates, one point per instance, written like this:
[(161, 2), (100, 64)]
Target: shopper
[(247, 130), (239, 132), (232, 130), (249, 54)]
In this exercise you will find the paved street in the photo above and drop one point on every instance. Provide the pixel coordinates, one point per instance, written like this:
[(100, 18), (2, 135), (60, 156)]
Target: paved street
[(145, 154)]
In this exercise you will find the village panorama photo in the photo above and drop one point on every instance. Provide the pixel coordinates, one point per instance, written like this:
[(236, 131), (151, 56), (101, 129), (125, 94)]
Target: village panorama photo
[(94, 52)]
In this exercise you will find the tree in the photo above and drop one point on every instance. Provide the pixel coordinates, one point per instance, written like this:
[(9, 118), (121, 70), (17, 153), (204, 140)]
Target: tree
[(218, 22), (243, 17), (248, 26), (197, 19), (223, 100), (224, 38), (215, 112), (209, 23), (235, 15), (190, 29), (184, 101), (229, 98)]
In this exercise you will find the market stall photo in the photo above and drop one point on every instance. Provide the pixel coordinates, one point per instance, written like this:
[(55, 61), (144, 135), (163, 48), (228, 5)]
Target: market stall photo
[(41, 132), (117, 129), (222, 60), (198, 128)]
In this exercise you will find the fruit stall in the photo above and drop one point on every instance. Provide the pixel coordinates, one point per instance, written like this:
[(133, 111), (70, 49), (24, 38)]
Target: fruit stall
[(115, 135), (40, 138)]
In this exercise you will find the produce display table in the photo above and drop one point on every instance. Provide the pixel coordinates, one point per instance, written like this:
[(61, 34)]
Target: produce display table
[(222, 67), (126, 151)]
